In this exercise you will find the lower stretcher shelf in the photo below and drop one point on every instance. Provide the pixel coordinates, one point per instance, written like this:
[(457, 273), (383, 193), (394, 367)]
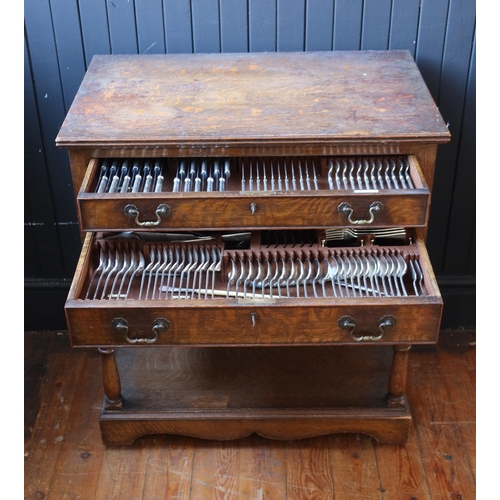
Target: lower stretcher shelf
[(278, 392)]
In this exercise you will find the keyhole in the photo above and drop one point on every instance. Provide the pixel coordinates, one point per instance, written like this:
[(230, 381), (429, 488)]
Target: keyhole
[(253, 316)]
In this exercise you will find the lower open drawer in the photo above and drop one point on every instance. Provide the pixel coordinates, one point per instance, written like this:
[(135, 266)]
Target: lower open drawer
[(213, 291)]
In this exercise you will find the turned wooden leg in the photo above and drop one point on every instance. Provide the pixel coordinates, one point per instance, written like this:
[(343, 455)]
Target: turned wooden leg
[(397, 380), (111, 380)]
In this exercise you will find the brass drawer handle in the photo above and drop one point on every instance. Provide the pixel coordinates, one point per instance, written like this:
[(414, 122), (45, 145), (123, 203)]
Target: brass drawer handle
[(133, 212), (348, 323), (345, 208), (159, 325)]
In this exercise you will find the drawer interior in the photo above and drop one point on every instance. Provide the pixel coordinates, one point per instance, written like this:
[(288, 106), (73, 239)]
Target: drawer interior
[(253, 266), (357, 174)]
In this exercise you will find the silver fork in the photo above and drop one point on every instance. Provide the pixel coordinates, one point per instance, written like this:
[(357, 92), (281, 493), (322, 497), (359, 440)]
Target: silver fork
[(164, 263), (137, 272), (194, 265), (120, 273), (153, 270), (231, 278), (402, 267), (333, 269), (99, 269), (112, 271), (133, 265), (420, 277)]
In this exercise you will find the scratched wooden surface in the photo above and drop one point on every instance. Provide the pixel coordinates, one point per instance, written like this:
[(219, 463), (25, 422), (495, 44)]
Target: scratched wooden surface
[(179, 98), (65, 458)]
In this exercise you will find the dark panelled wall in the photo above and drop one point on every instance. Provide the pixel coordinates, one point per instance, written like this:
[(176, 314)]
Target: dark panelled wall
[(61, 36)]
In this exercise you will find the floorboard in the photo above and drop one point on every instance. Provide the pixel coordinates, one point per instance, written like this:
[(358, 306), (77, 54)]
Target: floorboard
[(65, 458)]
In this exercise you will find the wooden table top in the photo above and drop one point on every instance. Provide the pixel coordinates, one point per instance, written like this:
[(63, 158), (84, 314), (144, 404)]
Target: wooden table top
[(323, 97)]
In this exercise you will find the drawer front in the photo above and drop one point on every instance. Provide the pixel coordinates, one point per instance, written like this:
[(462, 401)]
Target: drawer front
[(255, 324), (245, 212), (331, 196), (221, 307)]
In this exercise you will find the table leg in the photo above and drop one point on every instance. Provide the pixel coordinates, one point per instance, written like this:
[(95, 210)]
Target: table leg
[(397, 379), (111, 380)]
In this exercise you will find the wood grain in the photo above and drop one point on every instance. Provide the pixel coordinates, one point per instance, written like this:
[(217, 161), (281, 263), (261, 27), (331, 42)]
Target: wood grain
[(123, 473), (461, 381), (169, 471), (57, 394), (401, 471), (354, 464), (399, 372), (250, 378), (340, 466), (446, 460), (309, 470), (262, 468), (216, 471), (37, 345), (280, 393), (81, 454), (166, 98), (111, 380), (221, 322), (208, 211)]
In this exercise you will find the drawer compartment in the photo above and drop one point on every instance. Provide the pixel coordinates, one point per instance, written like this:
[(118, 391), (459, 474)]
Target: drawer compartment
[(130, 292), (249, 193)]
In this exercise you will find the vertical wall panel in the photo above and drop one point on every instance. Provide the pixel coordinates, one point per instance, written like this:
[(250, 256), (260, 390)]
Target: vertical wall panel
[(48, 91), (462, 221), (262, 20), (453, 85), (404, 25), (122, 28), (319, 25), (68, 37), (431, 34), (31, 263), (178, 26), (234, 26), (291, 25), (347, 24), (375, 28), (150, 28), (471, 244), (206, 33), (95, 28), (71, 61), (43, 257), (51, 111)]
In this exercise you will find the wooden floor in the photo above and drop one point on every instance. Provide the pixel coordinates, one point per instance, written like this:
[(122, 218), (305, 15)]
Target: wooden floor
[(65, 458)]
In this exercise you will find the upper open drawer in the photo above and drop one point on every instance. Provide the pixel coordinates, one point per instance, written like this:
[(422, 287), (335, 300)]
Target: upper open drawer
[(252, 192)]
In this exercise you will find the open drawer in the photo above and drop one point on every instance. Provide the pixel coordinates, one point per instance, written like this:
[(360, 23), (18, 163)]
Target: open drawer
[(252, 192), (145, 289)]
